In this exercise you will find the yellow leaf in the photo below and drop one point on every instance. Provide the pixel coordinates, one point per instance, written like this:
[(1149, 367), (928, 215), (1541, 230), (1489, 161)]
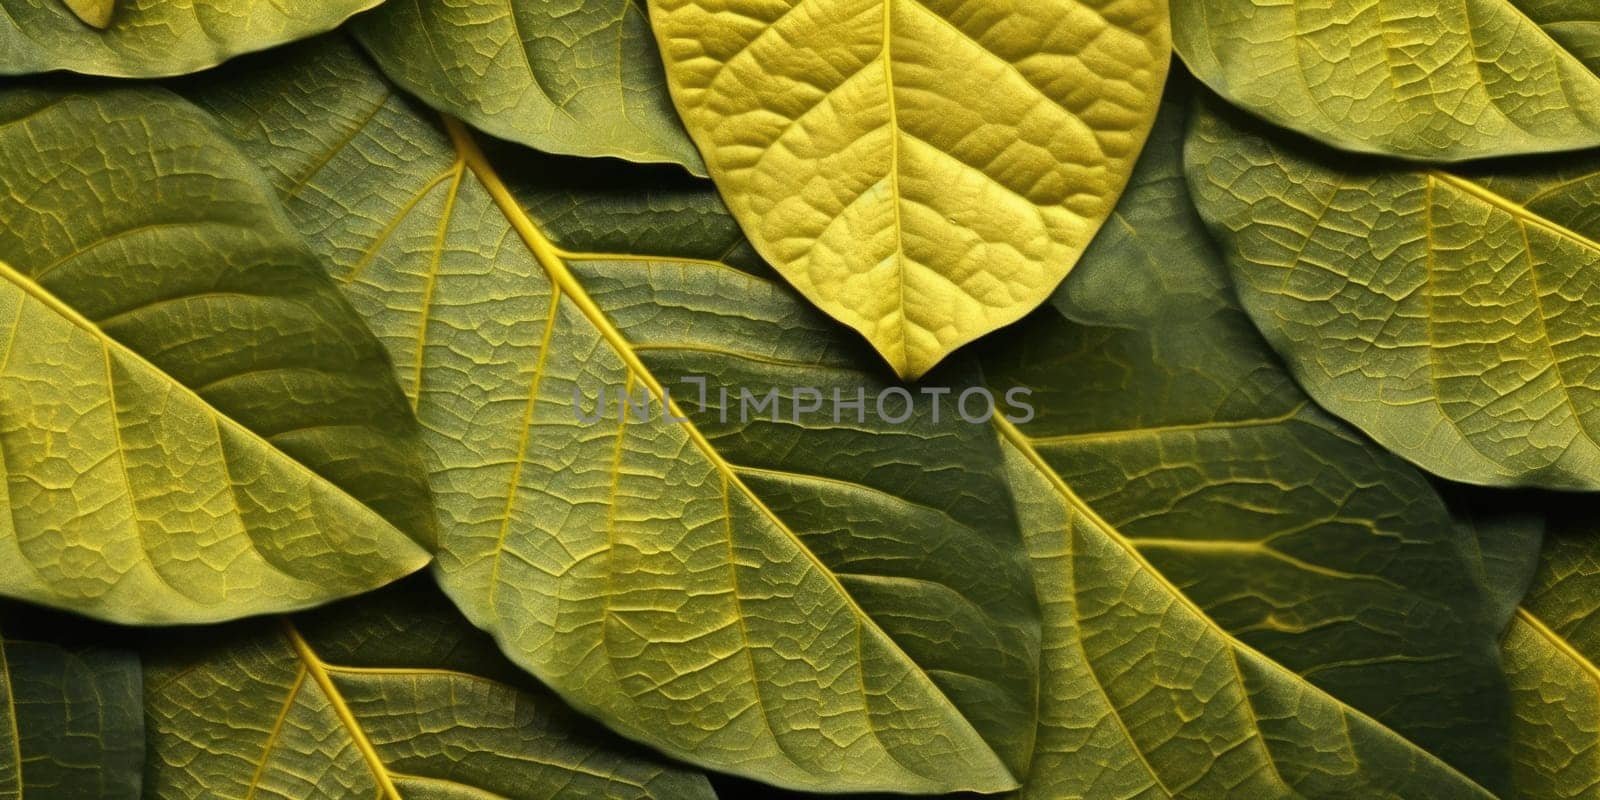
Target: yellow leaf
[(925, 171), (93, 12)]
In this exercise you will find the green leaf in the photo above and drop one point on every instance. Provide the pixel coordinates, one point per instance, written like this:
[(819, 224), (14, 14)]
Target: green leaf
[(924, 171), (1450, 314), (753, 596), (390, 695), (1215, 481), (1146, 697), (150, 38), (194, 426), (1443, 82), (71, 718), (578, 79), (1552, 660)]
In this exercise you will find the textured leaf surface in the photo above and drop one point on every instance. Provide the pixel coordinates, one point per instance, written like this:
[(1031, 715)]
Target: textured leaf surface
[(1452, 315), (71, 718), (148, 38), (1447, 81), (193, 424), (1552, 659), (1143, 696), (391, 695), (1163, 410), (840, 606), (577, 78), (925, 171)]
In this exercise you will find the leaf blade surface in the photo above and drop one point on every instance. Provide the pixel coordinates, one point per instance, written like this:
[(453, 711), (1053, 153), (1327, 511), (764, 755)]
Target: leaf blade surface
[(392, 695), (1445, 312), (584, 81), (1472, 79), (153, 38)]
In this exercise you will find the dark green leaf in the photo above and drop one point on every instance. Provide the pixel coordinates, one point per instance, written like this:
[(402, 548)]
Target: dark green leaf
[(71, 714)]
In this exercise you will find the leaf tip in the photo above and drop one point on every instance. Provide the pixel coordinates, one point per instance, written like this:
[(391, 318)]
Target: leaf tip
[(94, 13)]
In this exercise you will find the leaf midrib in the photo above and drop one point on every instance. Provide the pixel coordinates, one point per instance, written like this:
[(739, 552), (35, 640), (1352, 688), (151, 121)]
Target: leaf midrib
[(567, 283), (107, 342), (1560, 643), (1512, 207), (319, 673)]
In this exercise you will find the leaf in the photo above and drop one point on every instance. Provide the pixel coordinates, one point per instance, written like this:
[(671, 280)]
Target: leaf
[(1167, 703), (752, 596), (925, 171), (95, 13), (71, 720), (1451, 315), (194, 426), (1551, 657), (572, 78), (1216, 487), (1234, 725), (1444, 82), (151, 38), (392, 694)]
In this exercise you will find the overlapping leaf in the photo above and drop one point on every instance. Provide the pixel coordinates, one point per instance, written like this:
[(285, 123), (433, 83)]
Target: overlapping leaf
[(391, 695), (1159, 407), (193, 424), (1451, 314), (573, 78), (925, 171), (71, 720), (1552, 659), (1438, 81), (835, 605), (148, 38), (1143, 696)]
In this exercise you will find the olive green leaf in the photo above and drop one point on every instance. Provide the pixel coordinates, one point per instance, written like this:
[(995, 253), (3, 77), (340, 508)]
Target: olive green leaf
[(1552, 660), (573, 78), (71, 718), (1159, 407), (753, 595), (1444, 82), (1144, 696), (149, 38), (925, 171), (1453, 315), (194, 425), (390, 695)]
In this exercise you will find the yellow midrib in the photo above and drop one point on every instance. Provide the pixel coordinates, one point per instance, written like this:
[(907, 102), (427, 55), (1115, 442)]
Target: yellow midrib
[(319, 673), (904, 365), (1560, 643), (549, 258), (1485, 195)]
